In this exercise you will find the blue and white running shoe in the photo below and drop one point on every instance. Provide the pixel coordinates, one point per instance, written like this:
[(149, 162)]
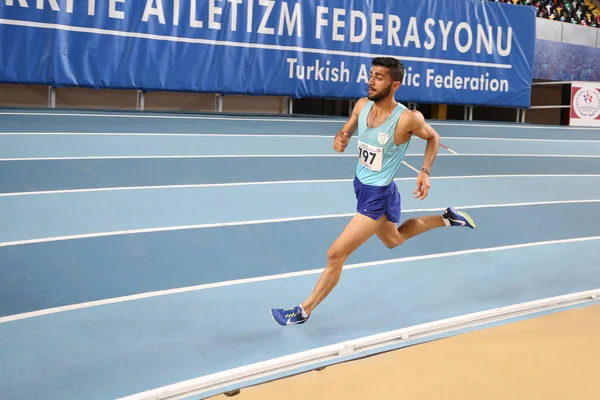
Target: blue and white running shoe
[(289, 316), (458, 218)]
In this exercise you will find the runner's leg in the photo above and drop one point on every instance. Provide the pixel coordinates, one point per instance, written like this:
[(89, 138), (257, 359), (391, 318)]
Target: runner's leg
[(393, 235), (359, 230)]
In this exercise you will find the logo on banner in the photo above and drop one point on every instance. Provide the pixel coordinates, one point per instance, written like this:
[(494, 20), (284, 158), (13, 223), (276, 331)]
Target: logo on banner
[(586, 103)]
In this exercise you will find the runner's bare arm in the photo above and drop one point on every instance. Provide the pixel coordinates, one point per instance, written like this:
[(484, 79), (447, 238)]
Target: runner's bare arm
[(343, 136), (413, 123), (426, 132)]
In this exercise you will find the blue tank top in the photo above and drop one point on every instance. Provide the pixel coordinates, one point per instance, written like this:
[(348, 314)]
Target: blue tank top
[(378, 156)]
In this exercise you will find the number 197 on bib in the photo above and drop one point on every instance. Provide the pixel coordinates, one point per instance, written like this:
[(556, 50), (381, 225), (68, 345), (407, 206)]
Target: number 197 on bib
[(370, 156)]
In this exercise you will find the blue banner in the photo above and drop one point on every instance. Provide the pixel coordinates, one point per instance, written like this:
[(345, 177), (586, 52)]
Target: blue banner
[(454, 51)]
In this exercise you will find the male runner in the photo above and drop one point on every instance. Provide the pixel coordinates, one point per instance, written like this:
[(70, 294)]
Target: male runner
[(385, 128)]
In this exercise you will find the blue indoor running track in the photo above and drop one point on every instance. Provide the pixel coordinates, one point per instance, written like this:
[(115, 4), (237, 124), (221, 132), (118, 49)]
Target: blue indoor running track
[(142, 250)]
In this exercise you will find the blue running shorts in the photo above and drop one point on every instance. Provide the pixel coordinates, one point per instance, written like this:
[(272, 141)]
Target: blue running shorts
[(375, 201)]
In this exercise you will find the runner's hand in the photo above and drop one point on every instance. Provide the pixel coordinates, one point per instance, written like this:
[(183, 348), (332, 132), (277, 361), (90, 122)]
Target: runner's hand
[(341, 141), (423, 186)]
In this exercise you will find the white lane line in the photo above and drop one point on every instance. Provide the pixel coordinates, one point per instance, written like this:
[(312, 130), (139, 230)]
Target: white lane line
[(174, 157), (448, 149), (521, 155), (411, 167), (209, 156), (277, 135), (288, 182), (362, 345), (290, 119), (269, 221), (515, 126), (146, 295), (183, 186), (520, 139), (184, 117), (252, 135), (517, 176)]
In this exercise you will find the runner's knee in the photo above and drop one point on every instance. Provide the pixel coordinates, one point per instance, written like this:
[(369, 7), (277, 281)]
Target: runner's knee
[(393, 241), (336, 256)]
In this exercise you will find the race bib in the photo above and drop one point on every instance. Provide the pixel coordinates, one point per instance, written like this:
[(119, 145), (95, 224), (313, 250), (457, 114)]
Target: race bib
[(370, 156)]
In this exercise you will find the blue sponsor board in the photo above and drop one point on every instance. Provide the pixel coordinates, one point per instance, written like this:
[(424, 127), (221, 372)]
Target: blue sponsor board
[(454, 51)]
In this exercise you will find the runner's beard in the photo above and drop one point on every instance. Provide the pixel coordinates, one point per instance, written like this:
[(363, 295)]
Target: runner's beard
[(380, 95)]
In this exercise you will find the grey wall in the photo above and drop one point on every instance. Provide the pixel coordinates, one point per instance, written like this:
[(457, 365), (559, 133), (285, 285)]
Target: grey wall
[(568, 33)]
